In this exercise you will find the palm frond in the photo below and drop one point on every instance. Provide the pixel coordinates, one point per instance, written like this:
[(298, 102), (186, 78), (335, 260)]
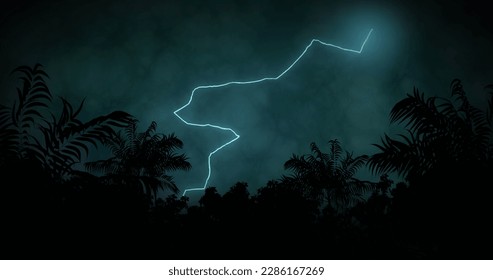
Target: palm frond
[(175, 162), (349, 165), (418, 114), (33, 96), (297, 164), (170, 142), (335, 151)]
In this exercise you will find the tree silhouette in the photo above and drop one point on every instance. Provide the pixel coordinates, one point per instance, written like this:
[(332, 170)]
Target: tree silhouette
[(438, 134), (32, 139), (211, 202), (42, 149), (30, 132), (446, 158), (237, 204), (329, 178), (142, 160)]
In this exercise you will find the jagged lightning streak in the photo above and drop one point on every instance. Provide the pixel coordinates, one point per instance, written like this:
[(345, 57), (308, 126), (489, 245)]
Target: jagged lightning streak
[(236, 135)]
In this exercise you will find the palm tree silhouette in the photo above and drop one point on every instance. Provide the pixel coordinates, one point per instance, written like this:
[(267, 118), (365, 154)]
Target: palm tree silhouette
[(67, 139), (328, 178), (43, 148), (29, 131), (142, 160), (446, 157), (438, 134)]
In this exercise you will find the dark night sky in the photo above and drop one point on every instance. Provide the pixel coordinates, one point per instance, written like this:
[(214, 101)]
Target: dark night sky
[(145, 57)]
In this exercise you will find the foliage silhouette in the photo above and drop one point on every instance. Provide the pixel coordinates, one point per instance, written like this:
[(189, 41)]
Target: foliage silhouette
[(25, 114), (445, 159), (329, 178), (142, 160), (319, 211), (237, 205), (438, 134), (37, 153), (30, 133), (211, 202)]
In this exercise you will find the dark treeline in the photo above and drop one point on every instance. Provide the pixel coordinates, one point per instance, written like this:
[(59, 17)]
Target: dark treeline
[(55, 204)]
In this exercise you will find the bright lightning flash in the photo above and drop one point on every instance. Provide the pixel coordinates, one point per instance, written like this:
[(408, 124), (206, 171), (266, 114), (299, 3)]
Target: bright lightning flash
[(236, 135)]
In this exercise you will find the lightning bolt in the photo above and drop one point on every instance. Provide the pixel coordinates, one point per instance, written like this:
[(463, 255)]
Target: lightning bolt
[(236, 135)]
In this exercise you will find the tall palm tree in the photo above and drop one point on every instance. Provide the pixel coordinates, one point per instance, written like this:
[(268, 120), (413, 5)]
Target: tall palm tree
[(329, 178), (440, 132), (142, 159)]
